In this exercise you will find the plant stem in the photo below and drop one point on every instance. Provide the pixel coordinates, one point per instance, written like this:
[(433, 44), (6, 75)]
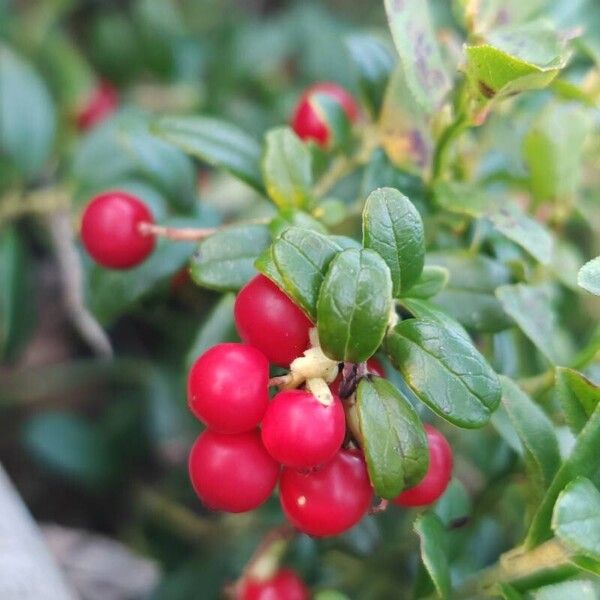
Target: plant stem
[(444, 144), (188, 234), (43, 201)]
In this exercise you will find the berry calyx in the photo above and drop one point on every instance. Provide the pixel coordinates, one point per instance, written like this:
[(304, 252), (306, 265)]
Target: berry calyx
[(438, 475), (373, 366), (268, 320), (284, 585), (110, 230), (330, 500), (301, 432), (228, 387), (233, 473), (306, 121), (102, 102)]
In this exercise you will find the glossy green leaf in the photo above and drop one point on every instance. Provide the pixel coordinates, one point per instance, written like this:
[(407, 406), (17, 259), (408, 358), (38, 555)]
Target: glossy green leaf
[(576, 518), (581, 462), (432, 281), (589, 276), (535, 432), (434, 551), (531, 309), (513, 60), (392, 226), (469, 295), (578, 396), (216, 142), (27, 116), (217, 327), (553, 151), (394, 441), (374, 63), (445, 371), (414, 37), (297, 262), (354, 305), (424, 309), (287, 169), (225, 260), (525, 231)]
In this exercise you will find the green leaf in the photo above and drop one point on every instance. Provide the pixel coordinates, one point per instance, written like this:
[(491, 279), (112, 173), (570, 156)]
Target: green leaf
[(354, 305), (434, 551), (287, 169), (288, 217), (17, 309), (432, 281), (26, 113), (469, 296), (297, 262), (578, 396), (225, 260), (576, 518), (580, 589), (531, 309), (217, 327), (553, 151), (394, 441), (70, 446), (509, 592), (589, 276), (445, 371), (392, 227), (374, 63), (485, 16), (424, 309), (513, 60), (535, 432), (454, 505), (581, 462), (414, 37), (216, 142), (525, 231), (461, 198)]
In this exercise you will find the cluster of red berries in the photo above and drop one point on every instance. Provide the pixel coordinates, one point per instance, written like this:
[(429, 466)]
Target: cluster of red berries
[(234, 465)]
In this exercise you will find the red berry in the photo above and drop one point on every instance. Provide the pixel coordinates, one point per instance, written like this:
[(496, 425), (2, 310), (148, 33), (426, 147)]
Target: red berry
[(284, 585), (228, 387), (374, 367), (436, 480), (330, 500), (110, 230), (308, 124), (301, 432), (102, 102), (232, 472), (268, 320)]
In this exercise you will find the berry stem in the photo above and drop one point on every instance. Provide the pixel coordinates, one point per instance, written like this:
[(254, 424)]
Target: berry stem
[(185, 234), (380, 507), (281, 380)]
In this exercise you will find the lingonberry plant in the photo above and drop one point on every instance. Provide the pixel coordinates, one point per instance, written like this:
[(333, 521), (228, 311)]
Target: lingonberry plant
[(389, 331)]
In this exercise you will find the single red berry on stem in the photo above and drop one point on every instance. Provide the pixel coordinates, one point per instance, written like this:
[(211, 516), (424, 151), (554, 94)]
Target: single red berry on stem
[(438, 475), (110, 230), (374, 367), (268, 320), (330, 500), (102, 102), (284, 585), (301, 432), (308, 124), (233, 473), (228, 387)]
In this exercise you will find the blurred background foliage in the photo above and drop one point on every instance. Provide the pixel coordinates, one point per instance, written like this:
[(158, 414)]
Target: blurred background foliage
[(101, 444)]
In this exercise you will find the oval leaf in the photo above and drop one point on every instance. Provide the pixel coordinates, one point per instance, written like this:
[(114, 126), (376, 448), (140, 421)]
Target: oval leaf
[(445, 371), (354, 305), (394, 441), (434, 551), (392, 226), (225, 260), (578, 396), (589, 276)]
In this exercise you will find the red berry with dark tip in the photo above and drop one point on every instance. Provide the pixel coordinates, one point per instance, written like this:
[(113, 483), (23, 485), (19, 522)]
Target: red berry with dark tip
[(308, 124), (438, 475), (374, 367), (301, 432), (228, 387), (102, 102), (268, 320), (233, 473), (284, 585), (110, 230), (330, 500)]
